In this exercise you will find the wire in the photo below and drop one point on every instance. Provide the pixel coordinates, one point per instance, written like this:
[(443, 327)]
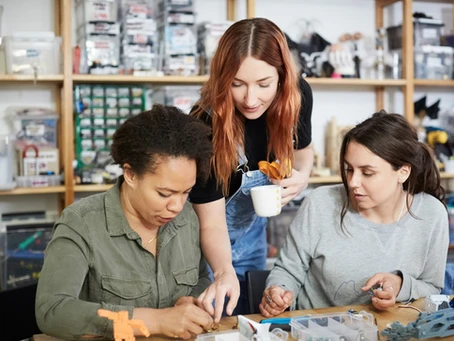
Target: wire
[(409, 306)]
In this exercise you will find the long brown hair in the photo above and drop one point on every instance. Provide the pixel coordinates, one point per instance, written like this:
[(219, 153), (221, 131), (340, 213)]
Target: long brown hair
[(392, 138), (261, 39)]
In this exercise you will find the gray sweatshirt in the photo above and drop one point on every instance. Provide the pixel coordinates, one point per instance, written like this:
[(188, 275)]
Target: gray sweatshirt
[(325, 267)]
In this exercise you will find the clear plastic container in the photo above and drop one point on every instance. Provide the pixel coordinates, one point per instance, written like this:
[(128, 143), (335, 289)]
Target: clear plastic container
[(335, 327), (36, 126), (434, 62), (32, 53), (7, 162), (34, 181)]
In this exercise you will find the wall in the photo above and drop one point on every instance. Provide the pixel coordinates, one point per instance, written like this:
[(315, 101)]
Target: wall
[(350, 105)]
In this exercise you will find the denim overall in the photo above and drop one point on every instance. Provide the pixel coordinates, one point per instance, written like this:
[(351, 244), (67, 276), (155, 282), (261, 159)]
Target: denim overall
[(247, 231)]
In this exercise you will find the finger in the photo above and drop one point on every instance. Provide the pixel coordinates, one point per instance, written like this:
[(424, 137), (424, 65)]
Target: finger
[(276, 306), (201, 298), (263, 310), (207, 303), (386, 293), (233, 301), (381, 304), (195, 329), (219, 304), (375, 279), (201, 318), (288, 297)]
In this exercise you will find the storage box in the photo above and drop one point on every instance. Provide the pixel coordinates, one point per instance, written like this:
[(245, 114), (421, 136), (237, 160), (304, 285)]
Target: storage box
[(334, 327), (434, 62), (32, 53), (36, 126), (22, 246), (425, 32)]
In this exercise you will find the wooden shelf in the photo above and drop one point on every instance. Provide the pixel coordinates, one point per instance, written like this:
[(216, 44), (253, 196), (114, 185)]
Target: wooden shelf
[(91, 188), (444, 175), (139, 79), (325, 179), (38, 190), (356, 81), (434, 82), (31, 78)]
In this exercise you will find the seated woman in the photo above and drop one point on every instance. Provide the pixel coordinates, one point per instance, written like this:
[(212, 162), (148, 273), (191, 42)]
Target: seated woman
[(135, 247), (385, 226)]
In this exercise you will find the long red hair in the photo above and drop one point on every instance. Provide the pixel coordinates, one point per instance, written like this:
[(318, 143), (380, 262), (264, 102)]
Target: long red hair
[(261, 39)]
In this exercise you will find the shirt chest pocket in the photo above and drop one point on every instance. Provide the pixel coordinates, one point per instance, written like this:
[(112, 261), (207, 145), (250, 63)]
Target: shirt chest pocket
[(122, 291), (185, 280)]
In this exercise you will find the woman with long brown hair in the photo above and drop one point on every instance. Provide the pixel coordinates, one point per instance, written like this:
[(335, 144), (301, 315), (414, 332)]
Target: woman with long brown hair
[(378, 238), (259, 109)]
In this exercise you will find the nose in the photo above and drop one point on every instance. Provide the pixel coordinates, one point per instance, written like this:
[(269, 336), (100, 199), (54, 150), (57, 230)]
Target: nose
[(176, 203), (250, 98), (354, 179)]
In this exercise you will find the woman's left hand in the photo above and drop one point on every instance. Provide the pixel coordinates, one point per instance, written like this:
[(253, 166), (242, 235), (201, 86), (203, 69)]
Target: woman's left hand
[(185, 299), (292, 186), (390, 285)]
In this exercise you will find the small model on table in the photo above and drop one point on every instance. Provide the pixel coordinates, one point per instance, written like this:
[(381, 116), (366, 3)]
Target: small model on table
[(123, 327)]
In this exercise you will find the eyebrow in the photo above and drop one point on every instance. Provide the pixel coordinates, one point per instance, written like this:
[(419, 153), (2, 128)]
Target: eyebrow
[(172, 190), (363, 166), (260, 80)]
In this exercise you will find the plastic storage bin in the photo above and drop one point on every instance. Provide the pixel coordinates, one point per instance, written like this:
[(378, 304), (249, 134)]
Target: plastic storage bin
[(426, 32), (7, 162), (36, 126), (434, 62), (22, 246), (32, 52), (334, 327)]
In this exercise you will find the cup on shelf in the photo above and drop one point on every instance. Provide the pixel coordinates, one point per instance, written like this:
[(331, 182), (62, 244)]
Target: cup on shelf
[(266, 200)]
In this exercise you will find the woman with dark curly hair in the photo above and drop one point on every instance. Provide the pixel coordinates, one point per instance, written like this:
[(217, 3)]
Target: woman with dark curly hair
[(135, 247)]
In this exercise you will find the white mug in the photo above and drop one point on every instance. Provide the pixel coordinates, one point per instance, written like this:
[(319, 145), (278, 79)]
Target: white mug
[(266, 200)]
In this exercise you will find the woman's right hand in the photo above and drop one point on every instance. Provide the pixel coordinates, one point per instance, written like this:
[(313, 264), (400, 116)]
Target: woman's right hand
[(275, 300), (183, 321), (225, 284)]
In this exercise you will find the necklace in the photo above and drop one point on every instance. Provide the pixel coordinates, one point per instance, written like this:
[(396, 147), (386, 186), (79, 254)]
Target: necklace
[(150, 240), (402, 209)]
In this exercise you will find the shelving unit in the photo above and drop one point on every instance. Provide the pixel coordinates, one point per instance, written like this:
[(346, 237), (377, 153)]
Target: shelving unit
[(65, 82)]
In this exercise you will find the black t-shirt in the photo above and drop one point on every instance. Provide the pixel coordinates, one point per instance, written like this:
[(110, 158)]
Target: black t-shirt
[(256, 147)]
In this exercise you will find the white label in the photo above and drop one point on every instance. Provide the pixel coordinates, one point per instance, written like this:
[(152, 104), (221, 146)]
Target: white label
[(35, 130), (429, 33), (433, 61)]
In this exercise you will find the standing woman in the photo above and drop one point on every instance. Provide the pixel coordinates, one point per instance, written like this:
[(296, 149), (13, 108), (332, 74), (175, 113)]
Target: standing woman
[(259, 108)]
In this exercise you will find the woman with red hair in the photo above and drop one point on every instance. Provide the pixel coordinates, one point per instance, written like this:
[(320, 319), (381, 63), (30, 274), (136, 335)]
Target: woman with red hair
[(259, 108)]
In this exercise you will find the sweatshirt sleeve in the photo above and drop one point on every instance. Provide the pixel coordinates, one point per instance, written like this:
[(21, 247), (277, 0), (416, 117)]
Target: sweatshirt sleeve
[(290, 269), (431, 280)]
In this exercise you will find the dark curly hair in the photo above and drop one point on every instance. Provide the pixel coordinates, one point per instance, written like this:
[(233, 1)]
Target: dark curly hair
[(163, 132)]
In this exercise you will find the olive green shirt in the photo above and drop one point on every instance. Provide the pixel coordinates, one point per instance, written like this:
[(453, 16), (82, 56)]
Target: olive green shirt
[(96, 260)]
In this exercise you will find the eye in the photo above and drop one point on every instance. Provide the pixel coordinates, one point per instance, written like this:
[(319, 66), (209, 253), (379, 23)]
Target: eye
[(264, 85), (163, 195), (368, 174), (236, 85)]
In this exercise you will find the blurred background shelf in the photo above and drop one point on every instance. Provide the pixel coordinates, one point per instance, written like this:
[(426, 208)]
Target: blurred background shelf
[(139, 79), (38, 190)]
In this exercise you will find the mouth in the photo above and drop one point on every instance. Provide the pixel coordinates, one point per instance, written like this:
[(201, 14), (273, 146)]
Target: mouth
[(167, 218), (359, 196), (251, 109)]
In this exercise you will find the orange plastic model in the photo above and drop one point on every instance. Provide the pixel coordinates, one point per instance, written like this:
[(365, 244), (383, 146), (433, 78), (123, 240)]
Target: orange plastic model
[(123, 327)]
